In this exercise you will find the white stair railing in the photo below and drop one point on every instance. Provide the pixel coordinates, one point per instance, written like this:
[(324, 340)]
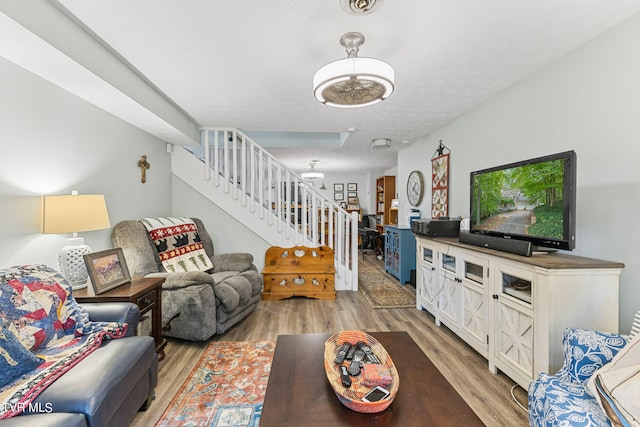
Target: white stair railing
[(279, 199)]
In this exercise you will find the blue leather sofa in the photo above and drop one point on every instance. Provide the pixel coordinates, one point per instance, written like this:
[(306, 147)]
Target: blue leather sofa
[(108, 387)]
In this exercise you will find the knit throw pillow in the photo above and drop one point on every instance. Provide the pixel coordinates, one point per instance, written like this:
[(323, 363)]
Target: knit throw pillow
[(178, 243)]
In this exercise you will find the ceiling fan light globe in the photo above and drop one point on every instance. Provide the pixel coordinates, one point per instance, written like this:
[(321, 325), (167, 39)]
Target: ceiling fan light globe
[(311, 176), (354, 82)]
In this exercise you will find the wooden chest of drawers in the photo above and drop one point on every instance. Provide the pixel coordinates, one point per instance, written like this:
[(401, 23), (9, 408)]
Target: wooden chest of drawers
[(299, 271)]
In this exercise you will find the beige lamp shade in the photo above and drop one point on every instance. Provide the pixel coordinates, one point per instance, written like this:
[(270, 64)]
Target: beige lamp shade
[(74, 213)]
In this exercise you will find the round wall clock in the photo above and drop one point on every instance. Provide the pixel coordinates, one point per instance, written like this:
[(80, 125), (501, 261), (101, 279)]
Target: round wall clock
[(415, 188)]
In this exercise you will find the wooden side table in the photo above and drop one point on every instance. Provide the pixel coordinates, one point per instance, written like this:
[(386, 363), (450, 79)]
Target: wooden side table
[(146, 293)]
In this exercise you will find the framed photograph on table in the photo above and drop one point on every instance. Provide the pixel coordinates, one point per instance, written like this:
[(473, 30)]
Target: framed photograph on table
[(107, 270), (353, 203)]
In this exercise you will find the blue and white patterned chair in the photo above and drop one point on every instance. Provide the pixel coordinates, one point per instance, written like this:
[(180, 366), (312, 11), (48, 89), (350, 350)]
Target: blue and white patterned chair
[(563, 399)]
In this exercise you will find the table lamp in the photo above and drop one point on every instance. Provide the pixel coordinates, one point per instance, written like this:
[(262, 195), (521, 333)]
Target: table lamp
[(73, 214)]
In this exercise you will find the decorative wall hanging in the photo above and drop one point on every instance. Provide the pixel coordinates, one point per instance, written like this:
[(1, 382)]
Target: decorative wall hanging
[(440, 182)]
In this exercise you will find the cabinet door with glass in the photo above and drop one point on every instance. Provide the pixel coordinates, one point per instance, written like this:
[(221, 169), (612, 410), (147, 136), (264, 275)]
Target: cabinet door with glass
[(512, 349), (450, 292), (474, 287), (392, 251), (426, 281)]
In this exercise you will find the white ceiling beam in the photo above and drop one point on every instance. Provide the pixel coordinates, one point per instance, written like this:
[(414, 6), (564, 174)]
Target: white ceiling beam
[(40, 38)]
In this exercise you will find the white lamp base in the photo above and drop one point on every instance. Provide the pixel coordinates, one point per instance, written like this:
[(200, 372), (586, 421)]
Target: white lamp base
[(71, 260)]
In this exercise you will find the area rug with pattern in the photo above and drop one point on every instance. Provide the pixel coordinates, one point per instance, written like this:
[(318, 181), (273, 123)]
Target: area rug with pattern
[(380, 289), (226, 387)]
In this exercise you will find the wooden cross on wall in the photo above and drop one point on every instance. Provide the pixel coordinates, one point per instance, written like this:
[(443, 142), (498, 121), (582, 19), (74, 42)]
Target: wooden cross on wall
[(143, 165)]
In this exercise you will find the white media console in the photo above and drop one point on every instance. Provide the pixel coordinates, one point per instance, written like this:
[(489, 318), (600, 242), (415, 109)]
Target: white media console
[(513, 309)]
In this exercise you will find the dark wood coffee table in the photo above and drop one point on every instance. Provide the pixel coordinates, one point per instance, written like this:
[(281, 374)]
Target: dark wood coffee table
[(299, 394)]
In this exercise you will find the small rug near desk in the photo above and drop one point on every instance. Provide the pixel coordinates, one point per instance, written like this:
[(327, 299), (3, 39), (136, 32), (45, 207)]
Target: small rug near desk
[(380, 289), (226, 388)]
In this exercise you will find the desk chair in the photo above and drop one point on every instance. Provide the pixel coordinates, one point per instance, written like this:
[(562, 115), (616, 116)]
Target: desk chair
[(370, 239), (367, 238)]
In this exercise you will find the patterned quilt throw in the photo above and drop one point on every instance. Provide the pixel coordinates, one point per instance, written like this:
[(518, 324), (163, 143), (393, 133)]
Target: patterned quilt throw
[(178, 244), (44, 332)]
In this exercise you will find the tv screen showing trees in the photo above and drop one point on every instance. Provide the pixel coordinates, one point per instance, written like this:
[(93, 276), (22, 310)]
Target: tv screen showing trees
[(530, 200)]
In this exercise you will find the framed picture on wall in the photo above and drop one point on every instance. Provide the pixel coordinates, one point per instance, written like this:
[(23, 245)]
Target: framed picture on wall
[(352, 194), (338, 188), (352, 186), (338, 196)]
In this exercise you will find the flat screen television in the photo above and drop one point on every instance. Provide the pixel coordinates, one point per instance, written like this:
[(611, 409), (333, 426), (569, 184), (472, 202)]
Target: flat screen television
[(532, 200)]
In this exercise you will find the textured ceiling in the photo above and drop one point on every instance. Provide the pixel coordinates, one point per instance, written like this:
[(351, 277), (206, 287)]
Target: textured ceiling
[(249, 64)]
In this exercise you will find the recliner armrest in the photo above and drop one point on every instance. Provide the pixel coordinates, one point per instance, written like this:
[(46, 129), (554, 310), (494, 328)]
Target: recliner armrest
[(123, 312), (238, 261)]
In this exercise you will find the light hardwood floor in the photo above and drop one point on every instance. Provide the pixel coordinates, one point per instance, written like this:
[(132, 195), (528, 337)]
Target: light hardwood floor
[(488, 395)]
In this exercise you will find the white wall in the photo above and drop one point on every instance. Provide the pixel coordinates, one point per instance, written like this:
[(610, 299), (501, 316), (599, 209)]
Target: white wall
[(363, 185), (588, 101), (407, 164), (228, 234), (52, 142)]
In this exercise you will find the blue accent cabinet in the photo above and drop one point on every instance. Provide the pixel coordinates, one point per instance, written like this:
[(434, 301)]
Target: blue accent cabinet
[(399, 252)]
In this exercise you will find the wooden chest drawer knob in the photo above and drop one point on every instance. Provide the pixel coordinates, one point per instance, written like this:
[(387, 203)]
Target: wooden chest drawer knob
[(298, 280)]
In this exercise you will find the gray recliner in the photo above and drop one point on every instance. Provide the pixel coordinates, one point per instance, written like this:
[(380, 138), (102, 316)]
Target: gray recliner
[(195, 305)]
